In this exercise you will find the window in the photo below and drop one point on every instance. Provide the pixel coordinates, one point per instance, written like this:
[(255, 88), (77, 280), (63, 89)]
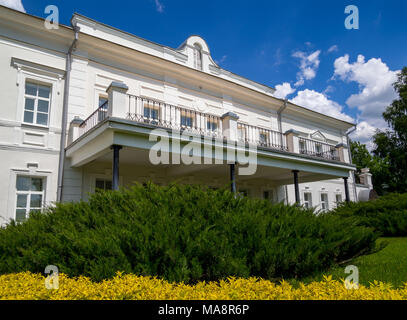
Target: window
[(30, 196), (212, 125), (103, 105), (338, 199), (241, 131), (197, 57), (268, 195), (187, 119), (263, 138), (302, 147), (151, 112), (324, 202), (243, 192), (318, 148), (307, 200), (36, 103), (103, 185)]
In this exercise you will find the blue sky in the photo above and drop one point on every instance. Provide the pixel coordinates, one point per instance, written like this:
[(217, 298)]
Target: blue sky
[(301, 48)]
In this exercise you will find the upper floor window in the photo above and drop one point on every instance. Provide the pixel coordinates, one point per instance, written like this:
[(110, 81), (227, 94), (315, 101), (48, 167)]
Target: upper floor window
[(187, 119), (151, 112), (197, 56), (241, 132), (263, 138), (30, 196), (36, 103), (212, 124), (103, 106)]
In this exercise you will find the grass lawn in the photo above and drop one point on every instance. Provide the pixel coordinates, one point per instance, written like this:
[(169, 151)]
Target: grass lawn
[(388, 265)]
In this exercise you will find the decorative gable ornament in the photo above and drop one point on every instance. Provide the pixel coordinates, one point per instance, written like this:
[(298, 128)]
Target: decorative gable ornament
[(317, 135)]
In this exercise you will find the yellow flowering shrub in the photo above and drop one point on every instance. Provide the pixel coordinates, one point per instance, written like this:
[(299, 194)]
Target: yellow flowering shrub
[(32, 286)]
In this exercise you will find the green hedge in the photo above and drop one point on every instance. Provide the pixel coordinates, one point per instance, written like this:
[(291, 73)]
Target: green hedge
[(387, 214), (180, 233)]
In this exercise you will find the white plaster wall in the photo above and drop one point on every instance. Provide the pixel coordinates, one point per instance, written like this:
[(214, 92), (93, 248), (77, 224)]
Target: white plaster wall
[(20, 144)]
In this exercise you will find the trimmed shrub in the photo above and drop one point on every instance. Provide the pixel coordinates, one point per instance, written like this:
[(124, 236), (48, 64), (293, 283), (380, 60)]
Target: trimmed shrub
[(387, 215), (180, 233)]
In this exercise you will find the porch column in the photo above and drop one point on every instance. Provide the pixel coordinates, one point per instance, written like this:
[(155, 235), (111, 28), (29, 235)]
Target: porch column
[(115, 179), (297, 189), (232, 177), (345, 180)]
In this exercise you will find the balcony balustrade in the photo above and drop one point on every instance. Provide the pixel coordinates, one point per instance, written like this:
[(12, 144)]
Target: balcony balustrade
[(160, 114)]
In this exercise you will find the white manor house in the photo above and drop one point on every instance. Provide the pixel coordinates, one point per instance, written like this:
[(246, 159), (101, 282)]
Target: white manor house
[(80, 106)]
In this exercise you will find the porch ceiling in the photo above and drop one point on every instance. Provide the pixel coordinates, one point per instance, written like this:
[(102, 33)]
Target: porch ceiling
[(137, 158)]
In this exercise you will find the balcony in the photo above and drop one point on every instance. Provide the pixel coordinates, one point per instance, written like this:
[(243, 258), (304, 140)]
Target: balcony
[(159, 114)]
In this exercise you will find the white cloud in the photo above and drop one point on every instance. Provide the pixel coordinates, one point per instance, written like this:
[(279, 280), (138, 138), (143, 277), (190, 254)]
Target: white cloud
[(308, 66), (283, 90), (319, 102), (159, 6), (221, 60), (375, 81), (13, 4), (364, 133), (333, 48)]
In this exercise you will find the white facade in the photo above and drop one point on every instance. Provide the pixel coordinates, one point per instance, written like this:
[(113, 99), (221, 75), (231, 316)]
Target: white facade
[(172, 88)]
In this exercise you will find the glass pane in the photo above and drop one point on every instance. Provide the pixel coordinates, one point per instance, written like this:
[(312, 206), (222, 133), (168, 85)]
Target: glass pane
[(108, 185), (102, 101), (29, 104), (100, 184), (23, 183), (21, 201), (43, 91), (20, 215), (28, 116), (36, 201), (30, 89), (42, 106), (154, 114), (42, 118), (36, 184)]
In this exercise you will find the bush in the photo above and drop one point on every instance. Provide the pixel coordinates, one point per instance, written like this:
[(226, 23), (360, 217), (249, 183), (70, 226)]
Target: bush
[(180, 233), (387, 215), (28, 286)]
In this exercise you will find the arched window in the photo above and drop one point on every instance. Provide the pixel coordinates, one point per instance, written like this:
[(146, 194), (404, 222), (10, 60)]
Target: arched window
[(197, 56)]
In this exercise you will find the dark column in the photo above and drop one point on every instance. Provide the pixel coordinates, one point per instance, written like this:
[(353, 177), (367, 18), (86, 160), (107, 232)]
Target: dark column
[(345, 180), (115, 180), (232, 178), (297, 189)]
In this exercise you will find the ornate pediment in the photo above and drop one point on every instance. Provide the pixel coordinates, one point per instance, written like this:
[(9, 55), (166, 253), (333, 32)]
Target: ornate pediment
[(317, 135)]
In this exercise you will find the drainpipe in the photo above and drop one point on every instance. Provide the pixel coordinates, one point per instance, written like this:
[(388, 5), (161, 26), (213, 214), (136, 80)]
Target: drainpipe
[(350, 161), (280, 129), (65, 113)]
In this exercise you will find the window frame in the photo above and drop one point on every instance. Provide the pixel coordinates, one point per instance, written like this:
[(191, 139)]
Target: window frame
[(151, 107), (49, 76), (336, 199), (324, 202), (307, 203), (29, 193), (36, 99)]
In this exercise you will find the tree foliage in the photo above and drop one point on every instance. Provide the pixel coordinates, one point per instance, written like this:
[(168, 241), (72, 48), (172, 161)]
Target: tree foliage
[(379, 167), (391, 144)]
